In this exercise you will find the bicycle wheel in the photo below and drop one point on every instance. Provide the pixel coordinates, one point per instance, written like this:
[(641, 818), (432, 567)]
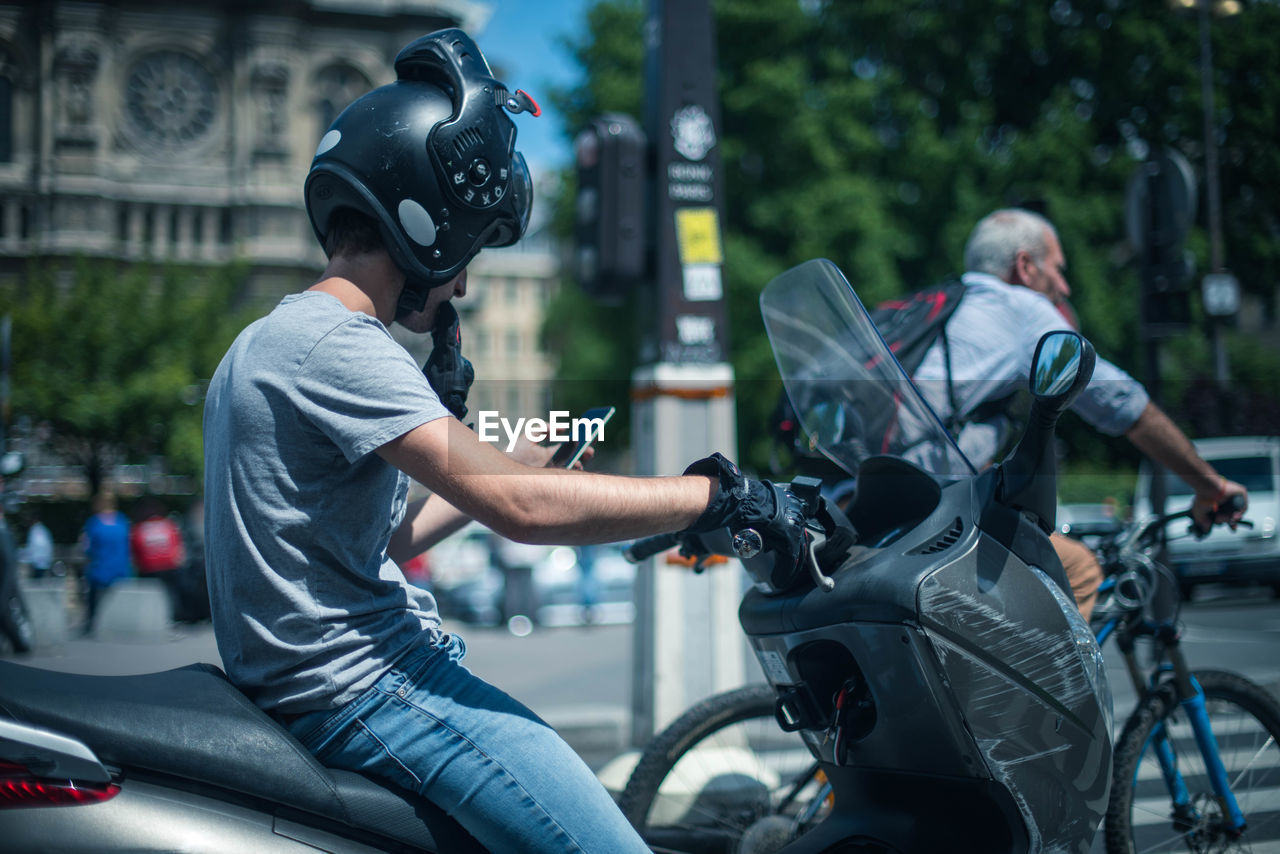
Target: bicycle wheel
[(1245, 719), (724, 777)]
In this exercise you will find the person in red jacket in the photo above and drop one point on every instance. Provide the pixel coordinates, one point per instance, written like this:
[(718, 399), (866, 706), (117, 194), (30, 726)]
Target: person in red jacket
[(155, 544)]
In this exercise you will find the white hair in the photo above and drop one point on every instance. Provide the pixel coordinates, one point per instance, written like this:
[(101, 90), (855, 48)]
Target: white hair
[(998, 237)]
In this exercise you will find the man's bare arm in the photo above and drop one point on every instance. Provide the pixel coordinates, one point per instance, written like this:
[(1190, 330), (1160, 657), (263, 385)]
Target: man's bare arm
[(1155, 434), (542, 505)]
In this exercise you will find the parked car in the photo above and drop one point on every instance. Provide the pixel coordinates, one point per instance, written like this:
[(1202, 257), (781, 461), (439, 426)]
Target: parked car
[(1245, 556), (1088, 522), (468, 585)]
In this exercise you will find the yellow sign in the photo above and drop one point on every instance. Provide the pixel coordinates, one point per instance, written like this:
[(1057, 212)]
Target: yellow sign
[(698, 235)]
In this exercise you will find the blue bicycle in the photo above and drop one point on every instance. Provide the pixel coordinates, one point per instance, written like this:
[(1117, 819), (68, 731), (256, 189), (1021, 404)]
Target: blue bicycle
[(1197, 764)]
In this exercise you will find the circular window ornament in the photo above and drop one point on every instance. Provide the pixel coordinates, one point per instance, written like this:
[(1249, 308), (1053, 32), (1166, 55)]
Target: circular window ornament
[(170, 99)]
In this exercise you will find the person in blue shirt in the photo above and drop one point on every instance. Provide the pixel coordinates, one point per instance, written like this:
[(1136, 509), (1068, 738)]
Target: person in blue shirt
[(106, 548)]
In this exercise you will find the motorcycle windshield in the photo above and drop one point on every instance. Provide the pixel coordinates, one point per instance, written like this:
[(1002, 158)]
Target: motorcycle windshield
[(848, 391)]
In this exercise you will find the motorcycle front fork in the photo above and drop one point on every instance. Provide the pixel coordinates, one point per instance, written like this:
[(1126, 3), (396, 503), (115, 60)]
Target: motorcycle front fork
[(1192, 700)]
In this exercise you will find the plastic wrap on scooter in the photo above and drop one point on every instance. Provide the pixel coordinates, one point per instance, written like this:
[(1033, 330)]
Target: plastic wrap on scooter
[(1015, 666)]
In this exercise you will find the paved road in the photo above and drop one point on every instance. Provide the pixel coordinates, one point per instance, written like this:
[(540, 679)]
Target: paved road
[(579, 677)]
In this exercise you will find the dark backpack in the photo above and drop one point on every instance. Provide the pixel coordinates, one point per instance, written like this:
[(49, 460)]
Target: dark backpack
[(910, 324)]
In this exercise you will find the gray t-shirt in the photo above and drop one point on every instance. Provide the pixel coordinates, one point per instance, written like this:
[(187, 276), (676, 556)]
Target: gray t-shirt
[(308, 609)]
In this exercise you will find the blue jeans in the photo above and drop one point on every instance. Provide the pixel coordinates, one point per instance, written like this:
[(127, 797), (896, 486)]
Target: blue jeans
[(429, 725)]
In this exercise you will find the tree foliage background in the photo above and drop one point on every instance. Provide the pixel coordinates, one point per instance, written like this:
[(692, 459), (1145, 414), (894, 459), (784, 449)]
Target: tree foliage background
[(877, 133), (110, 361)]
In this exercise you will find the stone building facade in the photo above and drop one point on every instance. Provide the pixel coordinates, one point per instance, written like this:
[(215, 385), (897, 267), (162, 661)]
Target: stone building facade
[(182, 132), (138, 131)]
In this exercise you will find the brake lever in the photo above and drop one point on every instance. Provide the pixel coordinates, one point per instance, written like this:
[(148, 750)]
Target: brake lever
[(815, 541)]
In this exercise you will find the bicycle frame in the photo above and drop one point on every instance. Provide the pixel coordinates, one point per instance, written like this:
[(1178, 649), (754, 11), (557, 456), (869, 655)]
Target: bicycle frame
[(1190, 697)]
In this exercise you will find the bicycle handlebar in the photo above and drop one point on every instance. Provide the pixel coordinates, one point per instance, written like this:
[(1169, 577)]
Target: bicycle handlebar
[(1232, 505)]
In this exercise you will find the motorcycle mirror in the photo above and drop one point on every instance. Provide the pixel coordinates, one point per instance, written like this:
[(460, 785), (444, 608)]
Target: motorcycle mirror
[(1060, 370)]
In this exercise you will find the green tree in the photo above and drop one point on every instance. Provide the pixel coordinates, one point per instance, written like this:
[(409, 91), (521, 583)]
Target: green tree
[(876, 133), (112, 361)]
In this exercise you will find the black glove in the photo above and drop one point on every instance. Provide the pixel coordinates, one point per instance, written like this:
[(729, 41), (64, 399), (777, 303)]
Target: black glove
[(740, 503), (448, 371)]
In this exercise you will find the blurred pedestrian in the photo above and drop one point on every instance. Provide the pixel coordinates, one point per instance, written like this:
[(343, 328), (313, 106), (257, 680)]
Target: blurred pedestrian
[(15, 624), (39, 547), (106, 547), (155, 545)]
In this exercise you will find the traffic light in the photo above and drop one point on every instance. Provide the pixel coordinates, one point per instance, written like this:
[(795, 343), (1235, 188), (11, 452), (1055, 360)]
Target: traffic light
[(1160, 203), (610, 209)]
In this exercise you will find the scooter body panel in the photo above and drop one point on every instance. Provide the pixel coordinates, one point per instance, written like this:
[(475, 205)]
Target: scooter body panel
[(146, 817), (965, 680)]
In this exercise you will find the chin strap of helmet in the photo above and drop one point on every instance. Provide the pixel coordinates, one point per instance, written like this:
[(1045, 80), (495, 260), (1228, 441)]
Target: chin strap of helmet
[(413, 296), (447, 370)]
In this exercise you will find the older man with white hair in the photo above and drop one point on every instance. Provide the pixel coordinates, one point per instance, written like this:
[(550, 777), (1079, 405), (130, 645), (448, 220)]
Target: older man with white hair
[(1016, 289)]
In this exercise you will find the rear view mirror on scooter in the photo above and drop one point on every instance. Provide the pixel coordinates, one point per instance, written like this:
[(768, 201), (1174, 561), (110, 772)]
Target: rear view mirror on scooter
[(1061, 368)]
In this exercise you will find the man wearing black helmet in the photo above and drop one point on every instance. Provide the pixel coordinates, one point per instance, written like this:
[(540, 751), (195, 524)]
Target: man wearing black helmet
[(316, 420)]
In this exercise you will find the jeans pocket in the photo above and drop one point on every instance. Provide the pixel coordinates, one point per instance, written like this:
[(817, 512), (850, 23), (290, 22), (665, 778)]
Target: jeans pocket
[(405, 675)]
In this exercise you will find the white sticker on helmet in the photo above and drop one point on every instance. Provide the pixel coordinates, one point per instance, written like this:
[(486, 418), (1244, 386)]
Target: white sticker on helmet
[(329, 142), (417, 223)]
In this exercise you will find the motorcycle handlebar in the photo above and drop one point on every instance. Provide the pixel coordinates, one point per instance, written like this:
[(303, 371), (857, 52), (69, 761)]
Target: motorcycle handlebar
[(647, 547)]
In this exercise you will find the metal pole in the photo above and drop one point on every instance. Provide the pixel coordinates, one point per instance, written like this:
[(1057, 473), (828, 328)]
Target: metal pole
[(1211, 184), (688, 644)]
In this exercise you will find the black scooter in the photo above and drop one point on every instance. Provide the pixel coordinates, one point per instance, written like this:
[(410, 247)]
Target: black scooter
[(927, 650)]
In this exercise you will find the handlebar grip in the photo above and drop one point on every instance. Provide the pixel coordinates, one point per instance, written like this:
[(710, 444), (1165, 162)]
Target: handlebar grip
[(647, 547), (1234, 504)]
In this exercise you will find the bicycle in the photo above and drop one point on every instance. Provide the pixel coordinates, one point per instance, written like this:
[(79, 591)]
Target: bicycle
[(1197, 763), (726, 777)]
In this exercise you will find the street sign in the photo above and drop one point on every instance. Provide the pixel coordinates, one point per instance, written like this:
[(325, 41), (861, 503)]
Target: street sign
[(1221, 294)]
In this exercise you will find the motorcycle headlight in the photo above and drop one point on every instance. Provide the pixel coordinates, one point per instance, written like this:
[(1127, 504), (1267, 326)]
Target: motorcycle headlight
[(1086, 647)]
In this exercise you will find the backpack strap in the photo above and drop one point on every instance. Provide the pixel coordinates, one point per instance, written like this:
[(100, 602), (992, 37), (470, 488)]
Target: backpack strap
[(953, 421)]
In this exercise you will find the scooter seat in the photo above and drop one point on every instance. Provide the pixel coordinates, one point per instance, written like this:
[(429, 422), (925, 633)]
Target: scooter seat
[(192, 723)]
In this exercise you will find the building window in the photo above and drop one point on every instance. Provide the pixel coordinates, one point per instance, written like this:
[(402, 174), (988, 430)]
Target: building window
[(171, 100)]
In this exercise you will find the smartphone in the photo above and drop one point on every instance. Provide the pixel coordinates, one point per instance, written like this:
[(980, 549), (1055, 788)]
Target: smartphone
[(586, 429)]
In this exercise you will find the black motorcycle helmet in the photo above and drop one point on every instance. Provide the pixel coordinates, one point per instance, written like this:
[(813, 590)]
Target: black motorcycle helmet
[(431, 158)]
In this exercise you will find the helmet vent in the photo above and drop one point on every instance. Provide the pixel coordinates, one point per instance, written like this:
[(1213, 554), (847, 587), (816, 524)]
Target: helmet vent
[(944, 541), (467, 139)]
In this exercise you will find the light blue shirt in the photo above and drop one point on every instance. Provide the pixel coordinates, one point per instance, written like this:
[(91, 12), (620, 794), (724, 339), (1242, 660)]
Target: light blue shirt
[(308, 608), (39, 550), (992, 338)]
